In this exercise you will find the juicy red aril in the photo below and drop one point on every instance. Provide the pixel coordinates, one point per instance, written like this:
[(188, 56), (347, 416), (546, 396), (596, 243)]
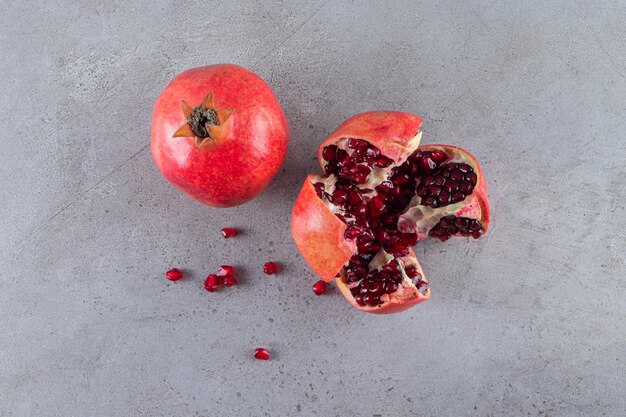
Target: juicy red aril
[(319, 189), (352, 232), (450, 226), (339, 197), (427, 164), (330, 153), (174, 274), (319, 287), (229, 280), (411, 271), (359, 300), (229, 232), (382, 162), (438, 156), (371, 300), (357, 143), (377, 288), (270, 268), (212, 283), (375, 207), (262, 354), (225, 270)]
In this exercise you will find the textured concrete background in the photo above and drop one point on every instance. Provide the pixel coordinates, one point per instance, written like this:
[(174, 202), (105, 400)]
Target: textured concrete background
[(529, 321)]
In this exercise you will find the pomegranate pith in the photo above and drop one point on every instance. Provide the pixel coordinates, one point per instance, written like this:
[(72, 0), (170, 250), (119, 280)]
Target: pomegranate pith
[(380, 195), (174, 274), (262, 354), (229, 232), (270, 268)]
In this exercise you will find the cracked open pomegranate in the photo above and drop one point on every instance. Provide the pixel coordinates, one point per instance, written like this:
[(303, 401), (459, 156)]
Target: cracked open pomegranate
[(219, 134), (380, 194)]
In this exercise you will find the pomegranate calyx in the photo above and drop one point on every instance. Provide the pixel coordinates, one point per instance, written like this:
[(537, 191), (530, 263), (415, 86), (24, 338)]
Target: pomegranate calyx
[(202, 120)]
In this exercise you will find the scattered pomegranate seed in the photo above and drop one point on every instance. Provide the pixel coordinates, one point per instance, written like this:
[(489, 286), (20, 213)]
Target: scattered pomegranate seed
[(319, 287), (229, 232), (174, 274), (262, 354), (225, 270), (229, 281), (270, 268), (212, 283)]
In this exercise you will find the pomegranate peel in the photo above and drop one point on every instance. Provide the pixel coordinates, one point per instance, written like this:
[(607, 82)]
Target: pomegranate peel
[(318, 233)]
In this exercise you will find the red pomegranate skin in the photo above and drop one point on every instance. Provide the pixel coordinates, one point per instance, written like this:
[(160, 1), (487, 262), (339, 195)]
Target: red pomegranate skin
[(247, 149)]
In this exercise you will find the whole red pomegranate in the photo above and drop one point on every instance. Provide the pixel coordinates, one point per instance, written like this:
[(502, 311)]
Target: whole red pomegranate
[(219, 134), (380, 193)]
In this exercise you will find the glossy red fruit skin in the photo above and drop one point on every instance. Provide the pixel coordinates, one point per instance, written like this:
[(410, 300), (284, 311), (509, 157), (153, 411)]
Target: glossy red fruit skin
[(237, 166), (174, 274), (262, 354)]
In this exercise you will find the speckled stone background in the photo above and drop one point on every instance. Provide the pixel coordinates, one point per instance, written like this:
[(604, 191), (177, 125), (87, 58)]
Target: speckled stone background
[(530, 321)]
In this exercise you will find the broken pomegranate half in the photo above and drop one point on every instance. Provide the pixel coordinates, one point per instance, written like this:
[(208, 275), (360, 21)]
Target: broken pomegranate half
[(380, 194)]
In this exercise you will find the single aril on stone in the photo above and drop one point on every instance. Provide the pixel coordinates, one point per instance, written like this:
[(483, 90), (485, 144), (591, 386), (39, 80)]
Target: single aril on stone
[(212, 283), (229, 232), (270, 268), (174, 274), (380, 194), (262, 354)]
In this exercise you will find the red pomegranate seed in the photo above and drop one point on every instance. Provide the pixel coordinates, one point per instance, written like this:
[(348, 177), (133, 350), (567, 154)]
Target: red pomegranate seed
[(359, 299), (229, 232), (329, 153), (438, 156), (270, 268), (411, 271), (225, 270), (319, 287), (212, 283), (229, 281), (262, 354), (174, 274)]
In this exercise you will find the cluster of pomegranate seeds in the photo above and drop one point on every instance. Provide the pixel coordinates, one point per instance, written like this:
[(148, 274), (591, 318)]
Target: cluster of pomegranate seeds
[(262, 354), (174, 274), (447, 185), (229, 232), (319, 287), (377, 282), (451, 225), (270, 268), (371, 215), (225, 276)]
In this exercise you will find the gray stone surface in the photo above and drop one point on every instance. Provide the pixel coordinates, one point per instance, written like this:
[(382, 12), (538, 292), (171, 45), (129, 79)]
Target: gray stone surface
[(529, 321)]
